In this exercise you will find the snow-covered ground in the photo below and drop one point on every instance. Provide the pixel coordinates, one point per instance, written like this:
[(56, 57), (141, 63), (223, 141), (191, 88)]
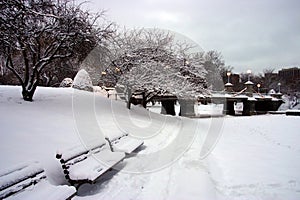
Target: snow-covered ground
[(255, 157), (200, 109), (290, 102)]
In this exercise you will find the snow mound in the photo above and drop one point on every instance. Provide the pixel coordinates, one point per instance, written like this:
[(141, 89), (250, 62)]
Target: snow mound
[(82, 81), (290, 103), (67, 82)]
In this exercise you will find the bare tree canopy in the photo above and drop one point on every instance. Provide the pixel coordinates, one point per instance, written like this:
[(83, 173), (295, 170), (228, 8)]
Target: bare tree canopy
[(214, 64), (268, 70), (153, 61), (35, 34)]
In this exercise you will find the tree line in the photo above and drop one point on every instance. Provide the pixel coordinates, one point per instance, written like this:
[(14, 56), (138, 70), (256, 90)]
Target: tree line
[(43, 42)]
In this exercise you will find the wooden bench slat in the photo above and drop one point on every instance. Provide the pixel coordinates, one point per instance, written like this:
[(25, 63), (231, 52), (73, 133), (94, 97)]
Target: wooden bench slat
[(95, 165), (18, 174), (73, 152), (28, 181), (87, 166), (126, 144), (21, 185), (123, 142), (45, 191)]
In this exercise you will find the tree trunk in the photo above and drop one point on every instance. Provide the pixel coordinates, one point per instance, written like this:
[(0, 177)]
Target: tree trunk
[(144, 101), (128, 104), (28, 93), (168, 107), (129, 94)]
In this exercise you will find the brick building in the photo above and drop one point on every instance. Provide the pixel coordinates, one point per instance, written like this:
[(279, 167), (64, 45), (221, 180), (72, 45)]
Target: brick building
[(290, 74), (290, 78)]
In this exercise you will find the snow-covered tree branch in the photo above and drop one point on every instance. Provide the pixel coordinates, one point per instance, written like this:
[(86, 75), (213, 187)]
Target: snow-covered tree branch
[(35, 34), (154, 62)]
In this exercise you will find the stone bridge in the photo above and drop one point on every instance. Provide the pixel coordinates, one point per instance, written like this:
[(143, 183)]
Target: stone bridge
[(253, 102)]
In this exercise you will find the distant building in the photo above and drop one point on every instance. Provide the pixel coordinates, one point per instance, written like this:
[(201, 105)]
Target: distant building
[(291, 79), (290, 74)]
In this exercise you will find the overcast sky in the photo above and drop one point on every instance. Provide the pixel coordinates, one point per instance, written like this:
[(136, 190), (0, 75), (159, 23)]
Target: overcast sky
[(250, 34)]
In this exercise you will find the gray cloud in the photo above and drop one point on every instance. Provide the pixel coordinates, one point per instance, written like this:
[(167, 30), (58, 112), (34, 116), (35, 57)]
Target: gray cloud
[(254, 34)]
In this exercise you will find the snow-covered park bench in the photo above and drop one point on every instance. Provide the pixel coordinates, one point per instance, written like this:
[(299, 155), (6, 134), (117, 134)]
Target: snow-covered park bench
[(28, 181), (85, 163), (122, 142)]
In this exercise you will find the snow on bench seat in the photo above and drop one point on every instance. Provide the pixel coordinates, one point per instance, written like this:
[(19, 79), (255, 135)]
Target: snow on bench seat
[(73, 152), (28, 181), (81, 164), (95, 165), (125, 143)]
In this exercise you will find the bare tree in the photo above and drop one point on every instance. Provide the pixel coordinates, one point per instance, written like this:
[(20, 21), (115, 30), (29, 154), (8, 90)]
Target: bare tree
[(268, 70), (214, 64), (35, 34)]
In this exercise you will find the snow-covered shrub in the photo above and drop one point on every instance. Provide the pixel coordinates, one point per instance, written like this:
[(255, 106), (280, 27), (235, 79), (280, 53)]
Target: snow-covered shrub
[(82, 81), (67, 82), (272, 91), (100, 91)]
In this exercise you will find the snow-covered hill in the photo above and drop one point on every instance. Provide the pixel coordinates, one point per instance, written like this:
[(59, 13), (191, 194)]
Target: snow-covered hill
[(256, 157)]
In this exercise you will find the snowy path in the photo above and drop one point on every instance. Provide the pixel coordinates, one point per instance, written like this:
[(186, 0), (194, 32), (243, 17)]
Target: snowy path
[(184, 178), (267, 161)]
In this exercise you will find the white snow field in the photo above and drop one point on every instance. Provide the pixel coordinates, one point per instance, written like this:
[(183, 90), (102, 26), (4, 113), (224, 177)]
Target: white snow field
[(255, 157)]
